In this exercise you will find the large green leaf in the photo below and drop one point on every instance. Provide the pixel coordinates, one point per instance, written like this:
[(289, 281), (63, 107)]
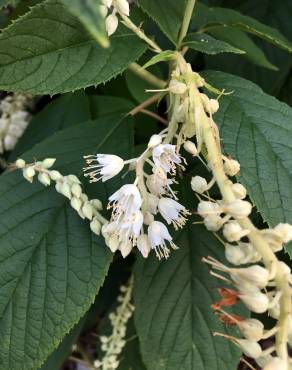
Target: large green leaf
[(257, 130), (206, 18), (169, 15), (209, 45), (51, 265), (173, 316), (89, 13), (48, 51)]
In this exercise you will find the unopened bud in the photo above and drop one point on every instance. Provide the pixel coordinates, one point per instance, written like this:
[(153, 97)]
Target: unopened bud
[(20, 163), (76, 203), (231, 167), (143, 245), (239, 191), (97, 204), (214, 105), (111, 24), (233, 231), (55, 175), (123, 7), (238, 208), (66, 190), (72, 179), (255, 300), (275, 364), (234, 254), (44, 178), (285, 230), (154, 141), (48, 162), (177, 87), (206, 208), (103, 10), (95, 226), (252, 329), (125, 248), (191, 148), (28, 173), (87, 210), (213, 222), (199, 184), (76, 190), (250, 348)]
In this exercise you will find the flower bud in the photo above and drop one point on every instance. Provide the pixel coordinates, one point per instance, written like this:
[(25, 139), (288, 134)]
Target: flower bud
[(250, 348), (239, 191), (233, 231), (55, 175), (206, 208), (111, 24), (87, 210), (148, 218), (96, 203), (213, 222), (231, 167), (65, 190), (20, 163), (72, 179), (10, 142), (275, 364), (76, 190), (143, 245), (28, 173), (76, 203), (214, 105), (95, 226), (154, 141), (256, 275), (255, 300), (252, 329), (285, 230), (123, 7), (177, 87), (234, 254), (199, 184), (191, 148), (238, 208), (48, 162), (125, 248), (103, 10), (44, 178)]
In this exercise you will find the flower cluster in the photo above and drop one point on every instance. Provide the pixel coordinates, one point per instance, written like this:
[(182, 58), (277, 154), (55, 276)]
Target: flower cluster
[(137, 204), (69, 186), (113, 344), (14, 120), (112, 20)]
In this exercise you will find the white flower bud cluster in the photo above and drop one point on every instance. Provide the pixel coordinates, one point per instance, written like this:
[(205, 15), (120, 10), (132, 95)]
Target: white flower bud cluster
[(113, 344), (112, 20), (14, 120), (69, 186), (136, 205)]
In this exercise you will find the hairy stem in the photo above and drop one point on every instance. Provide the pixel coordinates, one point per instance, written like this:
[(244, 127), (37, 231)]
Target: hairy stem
[(147, 76), (153, 99), (186, 21)]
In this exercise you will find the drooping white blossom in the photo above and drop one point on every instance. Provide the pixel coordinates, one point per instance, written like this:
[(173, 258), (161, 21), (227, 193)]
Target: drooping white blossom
[(166, 157), (158, 237), (173, 212), (102, 166)]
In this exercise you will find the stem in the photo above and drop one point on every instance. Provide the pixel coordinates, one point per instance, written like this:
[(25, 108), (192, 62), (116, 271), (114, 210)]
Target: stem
[(153, 99), (128, 23), (186, 21), (269, 258), (155, 116), (147, 76)]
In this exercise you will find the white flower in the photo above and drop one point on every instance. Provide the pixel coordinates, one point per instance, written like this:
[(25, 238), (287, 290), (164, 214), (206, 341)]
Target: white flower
[(256, 275), (206, 208), (158, 236), (252, 329), (239, 191), (173, 212), (143, 244), (103, 166), (154, 141), (238, 208), (213, 222), (177, 87), (276, 363), (107, 3), (127, 200), (231, 167), (191, 148), (233, 231), (165, 156), (255, 300), (158, 183), (250, 348), (285, 230), (111, 24)]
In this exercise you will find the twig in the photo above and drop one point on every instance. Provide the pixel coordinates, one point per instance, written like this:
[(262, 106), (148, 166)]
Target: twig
[(146, 75), (153, 99), (154, 115)]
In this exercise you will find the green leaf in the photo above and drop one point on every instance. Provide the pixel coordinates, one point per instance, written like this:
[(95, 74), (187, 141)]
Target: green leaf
[(173, 298), (236, 38), (51, 265), (256, 130), (207, 18), (68, 110), (4, 3), (209, 45), (169, 15), (89, 13), (164, 56), (39, 60)]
